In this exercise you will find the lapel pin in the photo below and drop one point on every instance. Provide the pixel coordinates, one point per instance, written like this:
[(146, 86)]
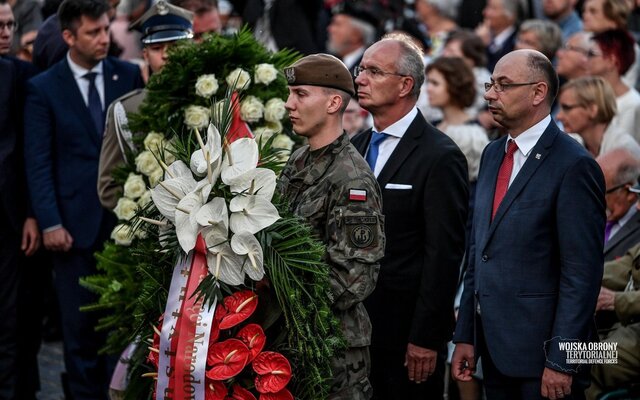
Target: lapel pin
[(538, 155), (115, 77)]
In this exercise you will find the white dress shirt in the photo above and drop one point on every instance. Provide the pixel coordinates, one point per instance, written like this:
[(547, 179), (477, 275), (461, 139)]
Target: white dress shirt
[(395, 132), (83, 83), (526, 141)]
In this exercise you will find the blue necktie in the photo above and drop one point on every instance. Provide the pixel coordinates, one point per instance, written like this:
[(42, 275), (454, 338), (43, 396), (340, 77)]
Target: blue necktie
[(95, 105), (374, 147)]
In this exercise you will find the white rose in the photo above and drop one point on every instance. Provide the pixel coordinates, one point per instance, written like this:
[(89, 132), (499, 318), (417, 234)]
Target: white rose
[(239, 78), (251, 109), (207, 85), (144, 199), (262, 134), (153, 141), (196, 116), (155, 177), (275, 126), (121, 234), (283, 141), (265, 73), (274, 110), (146, 163), (125, 209), (134, 187)]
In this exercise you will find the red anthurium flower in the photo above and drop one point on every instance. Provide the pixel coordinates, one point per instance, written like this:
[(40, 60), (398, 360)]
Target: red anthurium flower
[(253, 336), (154, 350), (240, 393), (227, 359), (215, 390), (274, 372), (284, 394), (240, 306)]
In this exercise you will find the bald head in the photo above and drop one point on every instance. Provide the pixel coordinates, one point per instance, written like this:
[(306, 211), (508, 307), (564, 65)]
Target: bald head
[(619, 166), (535, 66)]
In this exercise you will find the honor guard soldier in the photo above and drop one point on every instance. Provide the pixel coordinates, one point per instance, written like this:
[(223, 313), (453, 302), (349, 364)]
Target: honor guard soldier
[(161, 26), (331, 186)]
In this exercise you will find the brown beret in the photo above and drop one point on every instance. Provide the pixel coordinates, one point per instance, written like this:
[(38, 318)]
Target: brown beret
[(320, 70)]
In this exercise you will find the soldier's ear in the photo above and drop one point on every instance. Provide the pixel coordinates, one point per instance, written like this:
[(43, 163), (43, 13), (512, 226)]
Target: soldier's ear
[(334, 103)]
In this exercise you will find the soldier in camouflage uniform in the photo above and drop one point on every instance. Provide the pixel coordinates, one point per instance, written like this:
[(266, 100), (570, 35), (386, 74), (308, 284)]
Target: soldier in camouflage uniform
[(620, 292), (161, 26), (330, 185)]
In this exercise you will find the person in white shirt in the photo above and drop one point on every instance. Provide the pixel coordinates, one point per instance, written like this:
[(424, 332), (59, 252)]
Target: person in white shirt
[(587, 107)]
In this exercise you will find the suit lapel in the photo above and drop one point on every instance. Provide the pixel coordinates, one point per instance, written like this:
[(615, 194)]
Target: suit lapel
[(76, 100), (112, 83), (536, 157), (405, 147), (630, 227)]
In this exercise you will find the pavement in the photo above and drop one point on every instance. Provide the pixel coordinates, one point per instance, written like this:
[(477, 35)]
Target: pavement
[(51, 363)]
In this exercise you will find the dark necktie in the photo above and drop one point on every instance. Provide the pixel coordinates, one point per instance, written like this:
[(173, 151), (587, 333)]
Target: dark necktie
[(504, 175), (374, 148), (95, 105)]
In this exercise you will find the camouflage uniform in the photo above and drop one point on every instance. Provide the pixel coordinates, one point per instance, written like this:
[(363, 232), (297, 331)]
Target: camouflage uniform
[(623, 277), (324, 187)]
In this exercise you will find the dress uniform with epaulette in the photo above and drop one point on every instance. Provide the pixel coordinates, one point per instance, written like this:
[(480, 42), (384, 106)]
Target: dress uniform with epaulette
[(162, 23)]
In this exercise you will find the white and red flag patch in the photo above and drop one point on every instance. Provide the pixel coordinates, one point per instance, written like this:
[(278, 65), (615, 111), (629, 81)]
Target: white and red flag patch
[(357, 195)]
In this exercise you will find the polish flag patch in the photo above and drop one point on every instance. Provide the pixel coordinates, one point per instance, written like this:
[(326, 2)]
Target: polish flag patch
[(357, 195)]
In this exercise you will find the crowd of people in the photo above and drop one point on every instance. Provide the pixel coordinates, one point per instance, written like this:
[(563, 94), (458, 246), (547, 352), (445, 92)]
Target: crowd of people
[(496, 142)]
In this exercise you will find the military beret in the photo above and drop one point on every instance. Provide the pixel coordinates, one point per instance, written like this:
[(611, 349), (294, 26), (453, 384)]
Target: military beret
[(320, 70), (164, 22)]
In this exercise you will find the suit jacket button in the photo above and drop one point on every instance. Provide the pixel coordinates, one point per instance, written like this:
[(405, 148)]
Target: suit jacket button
[(485, 258)]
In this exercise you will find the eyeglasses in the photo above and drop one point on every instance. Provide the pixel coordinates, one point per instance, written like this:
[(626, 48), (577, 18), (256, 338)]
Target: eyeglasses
[(373, 72), (501, 87), (613, 189), (11, 25), (568, 107), (587, 52)]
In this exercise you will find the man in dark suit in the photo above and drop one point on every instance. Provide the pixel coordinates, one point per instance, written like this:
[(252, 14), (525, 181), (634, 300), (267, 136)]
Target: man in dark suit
[(535, 258), (622, 231), (64, 124), (423, 177)]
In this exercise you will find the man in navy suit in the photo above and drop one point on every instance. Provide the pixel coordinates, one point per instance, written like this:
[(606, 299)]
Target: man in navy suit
[(64, 124), (423, 177), (535, 258)]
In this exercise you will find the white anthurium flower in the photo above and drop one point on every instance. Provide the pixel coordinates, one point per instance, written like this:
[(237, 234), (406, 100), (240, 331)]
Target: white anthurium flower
[(260, 182), (240, 157), (187, 227), (213, 147), (251, 214), (177, 169), (244, 243), (167, 194), (214, 213), (223, 263), (203, 188)]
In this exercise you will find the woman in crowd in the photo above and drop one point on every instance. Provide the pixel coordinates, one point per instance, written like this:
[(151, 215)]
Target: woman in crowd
[(587, 106), (451, 88)]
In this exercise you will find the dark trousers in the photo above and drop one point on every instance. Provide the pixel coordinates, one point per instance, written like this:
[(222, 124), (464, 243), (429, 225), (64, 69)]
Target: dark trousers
[(88, 372), (499, 386), (9, 255)]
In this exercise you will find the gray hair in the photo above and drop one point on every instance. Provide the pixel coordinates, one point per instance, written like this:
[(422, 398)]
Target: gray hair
[(548, 33), (411, 60), (446, 8), (367, 31), (516, 9), (628, 169)]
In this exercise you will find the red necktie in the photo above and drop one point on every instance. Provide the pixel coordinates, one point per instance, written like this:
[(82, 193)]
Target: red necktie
[(504, 175)]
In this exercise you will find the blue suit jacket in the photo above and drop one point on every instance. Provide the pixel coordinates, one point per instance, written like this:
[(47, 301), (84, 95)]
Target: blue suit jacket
[(536, 268), (62, 147)]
